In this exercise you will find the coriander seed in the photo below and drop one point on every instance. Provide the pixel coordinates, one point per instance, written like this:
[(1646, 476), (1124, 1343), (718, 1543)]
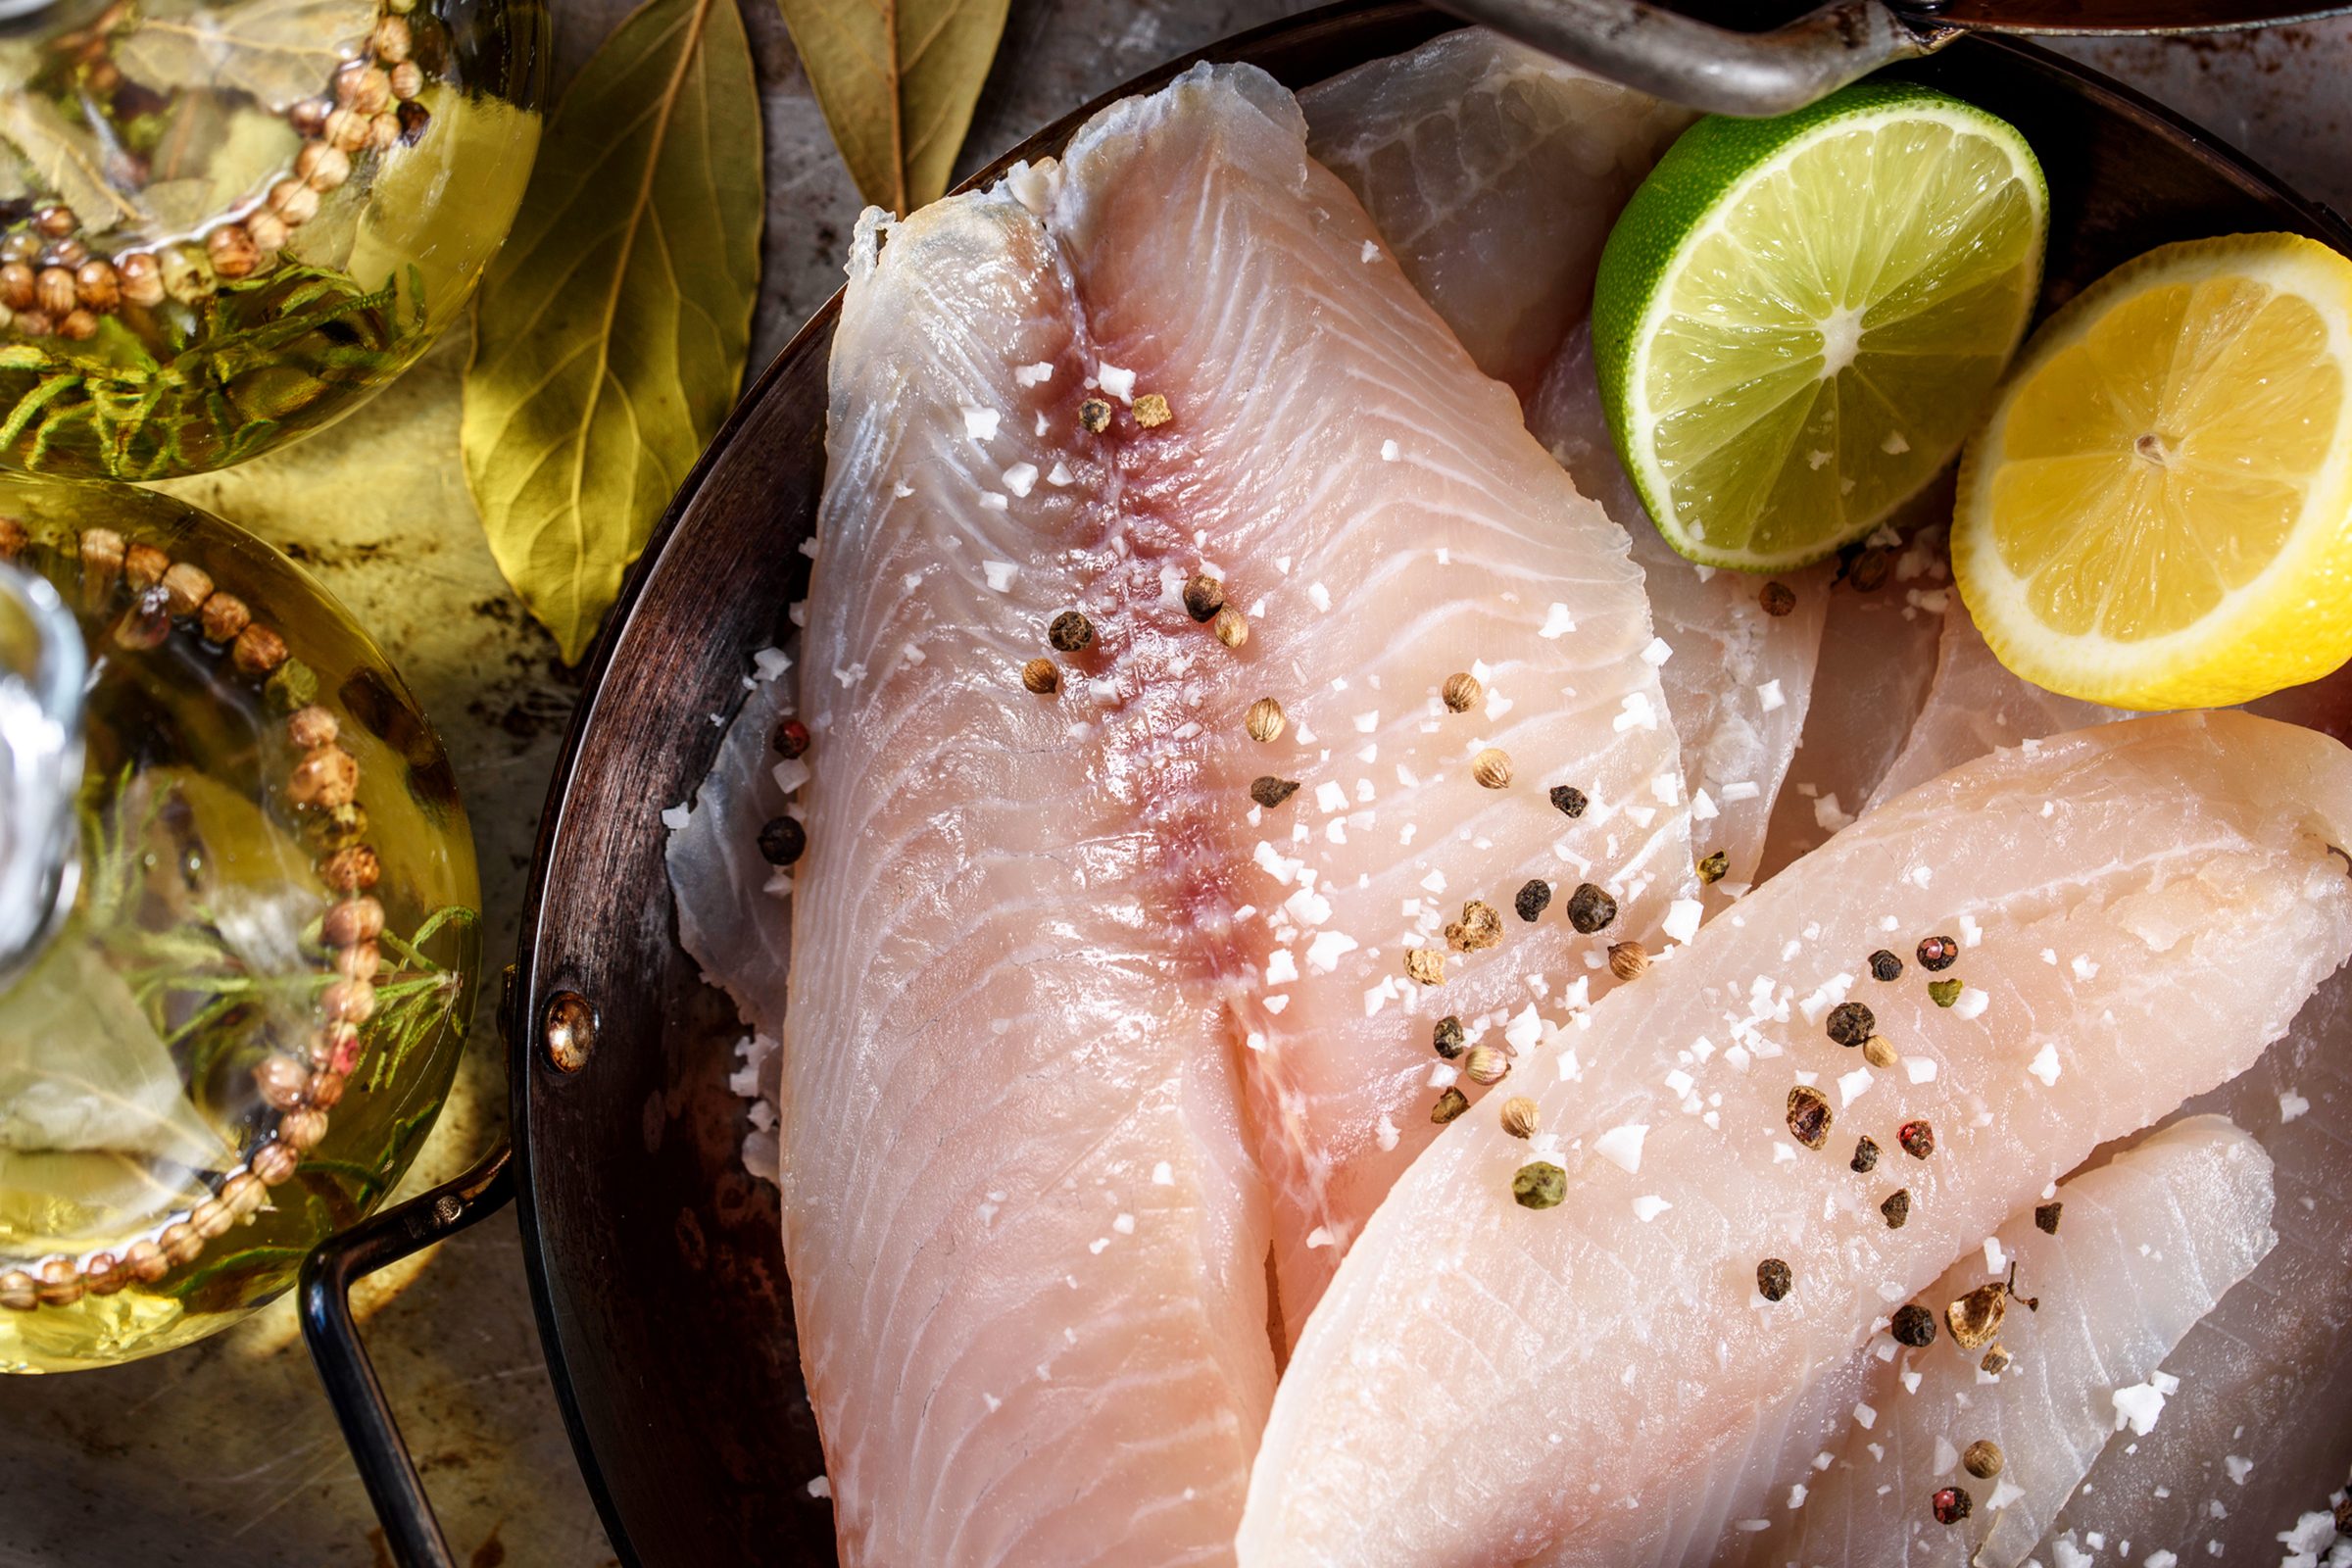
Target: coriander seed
[(1809, 1116), (1591, 908), (1774, 1279), (1982, 1459), (1520, 1116), (1041, 677), (1626, 959), (1204, 597), (1568, 800), (1452, 1104), (1884, 965), (1777, 598), (1918, 1138), (1423, 965), (1070, 632), (1943, 993), (2045, 1217), (1491, 767), (1094, 414), (1938, 953), (1897, 1207), (1866, 1156), (1532, 898), (1269, 792), (1265, 720), (1446, 1039), (1540, 1184), (1850, 1024), (1485, 1066), (1879, 1051), (1231, 626), (1461, 692), (1914, 1325)]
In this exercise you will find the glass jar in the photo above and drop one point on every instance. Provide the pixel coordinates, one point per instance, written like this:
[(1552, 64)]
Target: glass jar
[(238, 939), (226, 223)]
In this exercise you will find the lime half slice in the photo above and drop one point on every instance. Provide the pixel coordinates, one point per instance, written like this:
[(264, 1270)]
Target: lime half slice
[(1798, 321)]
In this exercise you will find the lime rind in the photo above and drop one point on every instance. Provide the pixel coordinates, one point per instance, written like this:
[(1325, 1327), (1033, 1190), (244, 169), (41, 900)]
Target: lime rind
[(1698, 219)]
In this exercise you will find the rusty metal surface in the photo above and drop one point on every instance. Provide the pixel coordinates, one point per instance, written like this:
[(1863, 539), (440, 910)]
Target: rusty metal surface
[(224, 1452)]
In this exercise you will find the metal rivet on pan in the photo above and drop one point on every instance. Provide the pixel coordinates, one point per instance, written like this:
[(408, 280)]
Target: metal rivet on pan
[(568, 1031)]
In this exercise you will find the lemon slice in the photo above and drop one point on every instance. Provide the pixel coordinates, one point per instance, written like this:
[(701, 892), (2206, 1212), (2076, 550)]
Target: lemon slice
[(1797, 321), (2158, 512)]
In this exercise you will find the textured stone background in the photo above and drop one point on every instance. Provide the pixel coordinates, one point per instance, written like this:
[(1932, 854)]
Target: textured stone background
[(225, 1452)]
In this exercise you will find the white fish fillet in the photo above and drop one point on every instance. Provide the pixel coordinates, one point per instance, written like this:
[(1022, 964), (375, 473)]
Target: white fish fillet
[(1582, 1385), (1077, 1034), (1374, 506), (1493, 172), (1738, 681), (2145, 1246)]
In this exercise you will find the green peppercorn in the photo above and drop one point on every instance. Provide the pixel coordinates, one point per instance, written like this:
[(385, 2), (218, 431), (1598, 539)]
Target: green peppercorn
[(1943, 993), (1712, 868), (1452, 1104), (1540, 1184)]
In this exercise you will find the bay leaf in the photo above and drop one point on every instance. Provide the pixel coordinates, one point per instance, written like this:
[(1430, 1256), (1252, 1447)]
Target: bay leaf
[(61, 159), (609, 333), (896, 81), (274, 50)]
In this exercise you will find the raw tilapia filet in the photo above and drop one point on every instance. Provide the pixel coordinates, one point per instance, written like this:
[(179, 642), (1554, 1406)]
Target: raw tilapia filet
[(1495, 172), (1079, 1034), (2145, 1246), (1738, 679), (1580, 1384), (1026, 1238), (1376, 510)]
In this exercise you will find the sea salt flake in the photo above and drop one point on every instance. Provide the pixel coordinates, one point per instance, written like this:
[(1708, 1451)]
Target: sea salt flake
[(999, 574), (1318, 595), (1649, 1206), (1682, 919), (2137, 1407), (1021, 478), (1622, 1146), (1920, 1070), (1657, 651), (1558, 622), (1033, 375), (980, 424), (1323, 954), (1370, 251), (1060, 476), (2292, 1105), (1743, 790), (822, 1486), (2238, 1470), (2044, 1065), (1851, 1085), (1117, 380), (1769, 695), (1702, 808), (1865, 1417), (1971, 1003), (1390, 452)]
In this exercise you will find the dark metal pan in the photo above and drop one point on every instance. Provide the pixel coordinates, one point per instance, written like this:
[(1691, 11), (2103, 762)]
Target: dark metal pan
[(655, 1260)]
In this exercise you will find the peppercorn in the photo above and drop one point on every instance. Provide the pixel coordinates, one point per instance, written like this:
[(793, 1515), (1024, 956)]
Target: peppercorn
[(1711, 869), (1884, 965), (1773, 1279), (1914, 1325), (1485, 1066), (1461, 692), (1269, 792), (1866, 1155), (1918, 1139), (1951, 1504), (1879, 1051), (1850, 1024), (1896, 1208), (1996, 1361), (782, 840), (1628, 959), (1452, 1104), (791, 739), (1204, 597), (1231, 626), (1070, 632), (1982, 1458), (1265, 720), (1491, 767), (2045, 1217), (1777, 598), (1540, 1184), (1591, 908), (1041, 677), (1446, 1039), (1809, 1116), (1151, 410), (1976, 1316), (1479, 929), (1520, 1116), (1532, 898), (1568, 800), (1869, 570), (1423, 965), (1943, 993), (1095, 415), (1938, 953)]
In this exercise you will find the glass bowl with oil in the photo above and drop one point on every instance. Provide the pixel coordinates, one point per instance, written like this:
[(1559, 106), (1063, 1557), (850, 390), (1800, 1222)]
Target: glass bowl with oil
[(239, 945), (226, 223)]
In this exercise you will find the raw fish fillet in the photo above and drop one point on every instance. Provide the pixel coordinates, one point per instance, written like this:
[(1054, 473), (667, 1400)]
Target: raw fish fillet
[(2145, 1246), (1374, 506), (1495, 173), (730, 914), (1738, 681), (1078, 1035), (1582, 1385), (1975, 706), (1026, 1239)]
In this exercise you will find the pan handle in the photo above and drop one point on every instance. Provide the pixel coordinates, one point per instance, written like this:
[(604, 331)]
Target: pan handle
[(1713, 69), (337, 1263)]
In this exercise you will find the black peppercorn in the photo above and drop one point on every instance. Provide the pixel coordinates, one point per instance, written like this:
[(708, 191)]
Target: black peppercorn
[(1850, 1024), (1778, 599), (1070, 632), (1569, 800), (1204, 597), (1590, 908), (2045, 1215), (1884, 965), (1447, 1038), (1914, 1325), (1896, 1208), (782, 840), (1866, 1156), (1269, 792), (1532, 900)]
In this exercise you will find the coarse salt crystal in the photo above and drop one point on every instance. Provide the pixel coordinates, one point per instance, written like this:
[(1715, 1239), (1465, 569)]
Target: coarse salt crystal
[(1852, 1085), (1318, 595), (1649, 1206), (1971, 1003), (1323, 954), (1389, 452), (1622, 1146), (1769, 695), (1682, 919), (1164, 1174), (2137, 1406), (2291, 1105), (673, 817), (1971, 933), (1060, 476), (999, 574), (1021, 478), (1657, 651), (980, 424), (1558, 622), (2044, 1065), (1702, 808), (1920, 1070), (1370, 251), (1743, 790), (1319, 1236), (1117, 380), (1865, 1417), (1033, 375), (1281, 968)]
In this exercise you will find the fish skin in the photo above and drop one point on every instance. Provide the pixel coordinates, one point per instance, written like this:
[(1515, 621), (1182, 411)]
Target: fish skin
[(1726, 648), (1493, 172), (1475, 1331), (1285, 418), (727, 921), (2147, 1244), (995, 1035)]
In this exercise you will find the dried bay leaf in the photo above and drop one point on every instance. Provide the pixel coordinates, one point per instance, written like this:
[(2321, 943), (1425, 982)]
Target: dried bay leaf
[(274, 50), (896, 81), (60, 159), (611, 333)]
